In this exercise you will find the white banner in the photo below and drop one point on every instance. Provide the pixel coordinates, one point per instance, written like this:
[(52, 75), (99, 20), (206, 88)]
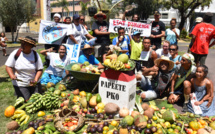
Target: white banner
[(143, 28), (51, 32), (73, 51)]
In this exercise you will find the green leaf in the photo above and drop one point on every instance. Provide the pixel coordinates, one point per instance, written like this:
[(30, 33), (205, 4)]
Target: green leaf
[(163, 103), (138, 101)]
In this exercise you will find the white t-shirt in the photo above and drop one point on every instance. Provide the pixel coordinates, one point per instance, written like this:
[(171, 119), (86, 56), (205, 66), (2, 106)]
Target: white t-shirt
[(78, 32), (56, 64), (25, 67), (159, 52)]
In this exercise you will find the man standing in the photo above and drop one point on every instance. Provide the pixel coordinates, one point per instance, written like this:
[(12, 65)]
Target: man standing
[(122, 40), (100, 30), (202, 35), (158, 31), (165, 50), (180, 84)]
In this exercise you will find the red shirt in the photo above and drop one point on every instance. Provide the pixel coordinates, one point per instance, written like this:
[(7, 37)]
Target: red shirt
[(204, 32)]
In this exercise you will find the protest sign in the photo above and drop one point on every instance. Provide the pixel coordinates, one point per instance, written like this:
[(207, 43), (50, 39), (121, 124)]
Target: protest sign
[(73, 51), (196, 109), (143, 28), (51, 32), (118, 87)]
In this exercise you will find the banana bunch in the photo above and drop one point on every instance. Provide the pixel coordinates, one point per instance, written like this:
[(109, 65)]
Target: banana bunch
[(116, 65), (47, 101), (36, 105), (21, 117), (47, 129), (50, 101)]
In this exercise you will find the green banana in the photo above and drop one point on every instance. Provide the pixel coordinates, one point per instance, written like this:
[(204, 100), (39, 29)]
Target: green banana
[(23, 118), (51, 127)]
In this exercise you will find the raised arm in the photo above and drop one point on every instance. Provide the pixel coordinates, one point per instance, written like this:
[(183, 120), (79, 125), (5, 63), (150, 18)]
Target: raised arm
[(44, 52), (129, 33), (123, 16)]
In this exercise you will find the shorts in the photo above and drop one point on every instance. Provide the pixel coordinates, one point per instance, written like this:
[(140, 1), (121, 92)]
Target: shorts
[(26, 92), (201, 58), (100, 50)]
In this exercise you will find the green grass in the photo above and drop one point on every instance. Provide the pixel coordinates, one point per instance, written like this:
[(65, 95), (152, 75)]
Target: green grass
[(7, 95)]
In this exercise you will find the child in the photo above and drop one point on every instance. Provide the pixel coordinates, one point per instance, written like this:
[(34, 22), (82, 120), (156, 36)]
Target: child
[(202, 88), (3, 44)]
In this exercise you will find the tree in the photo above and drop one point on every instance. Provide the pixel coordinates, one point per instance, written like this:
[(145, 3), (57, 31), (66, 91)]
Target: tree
[(84, 8), (62, 3), (185, 7), (16, 12)]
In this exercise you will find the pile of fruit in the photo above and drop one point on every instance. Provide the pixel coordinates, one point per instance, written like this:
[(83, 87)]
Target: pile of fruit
[(86, 68), (120, 62), (146, 118)]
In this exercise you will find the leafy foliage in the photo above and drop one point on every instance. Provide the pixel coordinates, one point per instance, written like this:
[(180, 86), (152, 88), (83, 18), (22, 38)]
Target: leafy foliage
[(84, 8), (16, 12)]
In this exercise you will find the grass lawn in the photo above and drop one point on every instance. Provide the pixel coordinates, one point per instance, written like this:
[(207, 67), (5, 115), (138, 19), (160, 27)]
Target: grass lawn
[(7, 95)]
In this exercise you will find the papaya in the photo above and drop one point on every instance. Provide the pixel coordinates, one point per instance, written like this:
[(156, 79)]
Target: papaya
[(169, 116)]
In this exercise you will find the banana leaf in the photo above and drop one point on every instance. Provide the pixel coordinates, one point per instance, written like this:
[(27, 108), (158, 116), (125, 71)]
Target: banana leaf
[(138, 102)]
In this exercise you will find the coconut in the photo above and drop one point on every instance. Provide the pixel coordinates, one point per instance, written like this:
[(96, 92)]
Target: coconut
[(13, 125), (148, 113), (140, 121), (169, 116), (145, 106), (50, 84), (111, 108)]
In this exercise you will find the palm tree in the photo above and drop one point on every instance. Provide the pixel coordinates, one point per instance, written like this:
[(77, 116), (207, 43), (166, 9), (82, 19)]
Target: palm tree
[(84, 8), (62, 3)]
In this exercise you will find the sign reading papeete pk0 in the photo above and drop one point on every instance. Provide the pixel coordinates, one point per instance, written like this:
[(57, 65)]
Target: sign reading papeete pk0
[(118, 87), (143, 28)]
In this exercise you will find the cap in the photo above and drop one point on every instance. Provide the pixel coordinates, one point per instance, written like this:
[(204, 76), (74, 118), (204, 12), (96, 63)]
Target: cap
[(157, 13), (76, 16), (136, 33), (57, 15), (199, 19)]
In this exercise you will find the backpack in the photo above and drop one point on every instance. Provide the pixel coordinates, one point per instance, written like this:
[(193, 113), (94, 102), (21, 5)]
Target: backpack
[(19, 52)]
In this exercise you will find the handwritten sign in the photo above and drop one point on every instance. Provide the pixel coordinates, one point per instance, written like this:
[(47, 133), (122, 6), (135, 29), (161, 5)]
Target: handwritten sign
[(143, 28), (73, 51), (51, 32)]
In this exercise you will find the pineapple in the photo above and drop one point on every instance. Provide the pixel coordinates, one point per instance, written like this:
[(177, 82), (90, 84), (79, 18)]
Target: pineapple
[(123, 129)]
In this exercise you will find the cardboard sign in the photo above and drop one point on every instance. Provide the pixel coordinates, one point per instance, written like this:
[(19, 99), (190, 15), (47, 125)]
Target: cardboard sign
[(51, 32), (196, 109), (73, 51), (143, 28), (118, 87)]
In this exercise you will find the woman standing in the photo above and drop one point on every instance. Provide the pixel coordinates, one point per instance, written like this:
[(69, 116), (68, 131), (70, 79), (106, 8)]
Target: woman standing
[(172, 33), (82, 22), (24, 66), (3, 43)]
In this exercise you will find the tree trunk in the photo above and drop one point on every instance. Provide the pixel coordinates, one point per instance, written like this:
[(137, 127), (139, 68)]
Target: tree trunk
[(181, 25), (12, 33), (17, 33)]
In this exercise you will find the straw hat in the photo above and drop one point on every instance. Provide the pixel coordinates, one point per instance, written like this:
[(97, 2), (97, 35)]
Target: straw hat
[(100, 13), (87, 46), (164, 58), (29, 40)]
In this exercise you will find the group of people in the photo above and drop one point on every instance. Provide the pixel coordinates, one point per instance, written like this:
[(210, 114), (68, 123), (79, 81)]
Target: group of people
[(160, 72)]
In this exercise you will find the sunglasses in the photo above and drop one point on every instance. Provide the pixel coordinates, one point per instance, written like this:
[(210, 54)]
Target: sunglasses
[(172, 49), (99, 16), (82, 19)]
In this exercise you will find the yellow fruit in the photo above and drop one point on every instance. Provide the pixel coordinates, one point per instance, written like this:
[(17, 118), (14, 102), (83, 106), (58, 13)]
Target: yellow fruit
[(101, 105), (41, 113), (109, 132), (106, 128), (63, 94), (92, 101), (100, 111), (106, 62), (9, 111), (114, 123), (83, 94)]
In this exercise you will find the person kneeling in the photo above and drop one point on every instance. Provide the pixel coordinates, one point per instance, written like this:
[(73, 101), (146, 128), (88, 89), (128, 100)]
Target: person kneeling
[(54, 73), (157, 86)]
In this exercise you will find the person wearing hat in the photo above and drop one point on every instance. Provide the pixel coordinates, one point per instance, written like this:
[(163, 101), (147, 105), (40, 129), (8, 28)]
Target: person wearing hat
[(198, 20), (55, 46), (76, 32), (180, 85), (100, 31), (202, 35), (172, 33), (157, 87), (87, 56), (158, 31), (54, 72), (24, 66)]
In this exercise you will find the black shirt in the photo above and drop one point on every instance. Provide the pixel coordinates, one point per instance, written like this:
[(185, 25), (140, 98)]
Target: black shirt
[(157, 27), (102, 27)]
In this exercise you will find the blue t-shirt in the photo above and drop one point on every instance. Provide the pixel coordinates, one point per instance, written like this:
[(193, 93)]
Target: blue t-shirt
[(124, 44), (92, 60), (171, 36), (177, 58)]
